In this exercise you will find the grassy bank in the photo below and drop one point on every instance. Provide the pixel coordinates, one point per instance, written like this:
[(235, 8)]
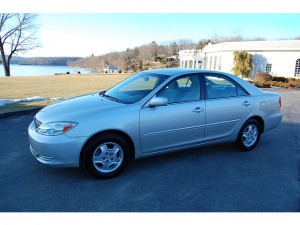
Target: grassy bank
[(64, 86)]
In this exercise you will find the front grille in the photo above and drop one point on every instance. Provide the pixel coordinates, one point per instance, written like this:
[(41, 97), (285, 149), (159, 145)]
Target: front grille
[(37, 123)]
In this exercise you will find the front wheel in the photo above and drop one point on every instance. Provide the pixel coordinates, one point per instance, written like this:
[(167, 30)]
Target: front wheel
[(106, 156), (249, 135)]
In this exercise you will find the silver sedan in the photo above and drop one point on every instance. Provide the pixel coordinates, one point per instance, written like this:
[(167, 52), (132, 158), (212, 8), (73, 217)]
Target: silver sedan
[(152, 112)]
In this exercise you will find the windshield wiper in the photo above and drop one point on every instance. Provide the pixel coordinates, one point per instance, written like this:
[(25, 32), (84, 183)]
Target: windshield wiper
[(108, 96)]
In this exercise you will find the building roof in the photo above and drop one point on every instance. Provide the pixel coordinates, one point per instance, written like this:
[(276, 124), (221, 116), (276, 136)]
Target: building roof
[(284, 45)]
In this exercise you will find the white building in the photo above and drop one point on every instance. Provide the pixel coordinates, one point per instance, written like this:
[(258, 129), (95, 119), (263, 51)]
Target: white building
[(279, 58), (111, 69), (191, 59)]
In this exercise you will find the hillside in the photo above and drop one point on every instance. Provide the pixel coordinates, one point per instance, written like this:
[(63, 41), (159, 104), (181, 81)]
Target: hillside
[(144, 57)]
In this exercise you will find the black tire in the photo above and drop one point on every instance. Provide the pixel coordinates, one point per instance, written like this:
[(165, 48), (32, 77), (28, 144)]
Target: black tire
[(249, 135), (106, 155)]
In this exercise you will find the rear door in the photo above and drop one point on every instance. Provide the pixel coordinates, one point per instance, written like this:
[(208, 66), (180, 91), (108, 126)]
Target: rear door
[(227, 105)]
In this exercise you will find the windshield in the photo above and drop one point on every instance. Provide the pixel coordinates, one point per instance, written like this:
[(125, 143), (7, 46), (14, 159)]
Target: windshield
[(135, 88)]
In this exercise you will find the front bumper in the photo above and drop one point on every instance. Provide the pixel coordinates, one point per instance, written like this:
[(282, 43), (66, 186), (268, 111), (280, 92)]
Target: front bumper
[(58, 151)]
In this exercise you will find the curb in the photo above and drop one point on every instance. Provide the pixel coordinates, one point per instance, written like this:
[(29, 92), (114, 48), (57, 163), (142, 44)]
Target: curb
[(18, 113)]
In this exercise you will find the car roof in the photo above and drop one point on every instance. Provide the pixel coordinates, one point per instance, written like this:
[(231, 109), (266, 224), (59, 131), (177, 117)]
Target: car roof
[(182, 71), (173, 71)]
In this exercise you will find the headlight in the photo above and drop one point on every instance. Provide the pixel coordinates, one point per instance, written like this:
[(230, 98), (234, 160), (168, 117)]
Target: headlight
[(55, 128)]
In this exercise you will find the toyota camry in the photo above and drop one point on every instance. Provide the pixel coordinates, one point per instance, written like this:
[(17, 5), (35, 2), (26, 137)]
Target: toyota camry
[(152, 112)]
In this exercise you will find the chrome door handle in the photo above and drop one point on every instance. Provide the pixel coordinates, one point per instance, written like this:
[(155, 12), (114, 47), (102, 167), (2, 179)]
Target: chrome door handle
[(198, 109), (246, 103)]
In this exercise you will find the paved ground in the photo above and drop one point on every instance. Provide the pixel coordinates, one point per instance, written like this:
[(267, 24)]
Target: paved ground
[(210, 179)]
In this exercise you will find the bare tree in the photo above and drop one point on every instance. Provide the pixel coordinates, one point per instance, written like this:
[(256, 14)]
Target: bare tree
[(17, 35), (257, 39), (201, 44), (185, 44)]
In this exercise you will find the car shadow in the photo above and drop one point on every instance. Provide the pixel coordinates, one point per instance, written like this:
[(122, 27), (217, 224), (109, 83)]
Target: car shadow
[(178, 158)]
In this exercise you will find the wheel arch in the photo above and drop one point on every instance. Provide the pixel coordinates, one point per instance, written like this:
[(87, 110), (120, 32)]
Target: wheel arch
[(260, 121), (117, 132)]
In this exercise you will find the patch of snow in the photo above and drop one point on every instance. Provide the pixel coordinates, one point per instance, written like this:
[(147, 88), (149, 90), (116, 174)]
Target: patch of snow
[(4, 102), (274, 87)]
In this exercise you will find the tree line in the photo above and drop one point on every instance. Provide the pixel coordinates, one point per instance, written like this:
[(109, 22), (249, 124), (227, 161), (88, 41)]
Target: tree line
[(50, 61), (138, 58)]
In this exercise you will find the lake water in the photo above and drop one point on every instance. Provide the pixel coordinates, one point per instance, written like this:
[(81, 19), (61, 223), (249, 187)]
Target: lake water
[(34, 70)]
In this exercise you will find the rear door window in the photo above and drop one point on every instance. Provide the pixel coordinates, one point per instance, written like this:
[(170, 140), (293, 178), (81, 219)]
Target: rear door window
[(222, 87)]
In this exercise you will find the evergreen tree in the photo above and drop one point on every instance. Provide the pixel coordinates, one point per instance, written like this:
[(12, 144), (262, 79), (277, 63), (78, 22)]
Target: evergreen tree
[(242, 61)]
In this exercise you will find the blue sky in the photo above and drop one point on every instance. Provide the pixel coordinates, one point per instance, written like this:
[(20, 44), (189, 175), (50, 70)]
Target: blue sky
[(83, 27), (81, 34)]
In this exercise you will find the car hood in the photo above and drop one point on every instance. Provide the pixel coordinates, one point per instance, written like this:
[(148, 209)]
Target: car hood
[(75, 109)]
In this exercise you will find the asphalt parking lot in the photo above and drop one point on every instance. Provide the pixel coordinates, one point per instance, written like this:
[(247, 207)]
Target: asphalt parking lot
[(210, 179)]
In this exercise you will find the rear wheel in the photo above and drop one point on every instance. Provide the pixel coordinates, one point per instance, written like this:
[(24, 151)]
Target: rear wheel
[(249, 135), (106, 156)]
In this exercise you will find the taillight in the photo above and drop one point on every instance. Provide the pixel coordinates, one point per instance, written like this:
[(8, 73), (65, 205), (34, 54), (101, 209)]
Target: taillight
[(280, 101)]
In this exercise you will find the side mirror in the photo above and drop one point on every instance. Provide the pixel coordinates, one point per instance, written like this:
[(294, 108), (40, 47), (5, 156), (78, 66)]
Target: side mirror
[(158, 101)]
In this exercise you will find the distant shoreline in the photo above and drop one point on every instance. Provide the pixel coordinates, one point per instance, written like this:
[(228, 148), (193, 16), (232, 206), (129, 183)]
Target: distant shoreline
[(45, 70), (55, 61)]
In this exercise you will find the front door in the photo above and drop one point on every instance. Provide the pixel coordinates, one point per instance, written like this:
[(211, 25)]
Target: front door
[(180, 123)]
